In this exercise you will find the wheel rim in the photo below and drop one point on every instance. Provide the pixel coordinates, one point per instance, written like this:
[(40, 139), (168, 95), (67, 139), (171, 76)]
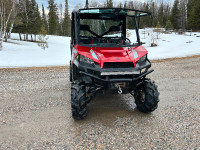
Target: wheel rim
[(141, 96)]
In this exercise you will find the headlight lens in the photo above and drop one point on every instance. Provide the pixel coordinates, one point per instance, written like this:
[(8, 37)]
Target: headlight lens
[(85, 59), (135, 54), (142, 59), (93, 54)]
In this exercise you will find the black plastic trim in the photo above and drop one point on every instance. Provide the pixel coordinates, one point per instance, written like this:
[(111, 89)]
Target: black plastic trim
[(117, 80), (96, 67)]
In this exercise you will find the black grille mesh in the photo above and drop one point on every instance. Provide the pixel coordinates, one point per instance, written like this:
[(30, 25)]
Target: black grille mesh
[(118, 65)]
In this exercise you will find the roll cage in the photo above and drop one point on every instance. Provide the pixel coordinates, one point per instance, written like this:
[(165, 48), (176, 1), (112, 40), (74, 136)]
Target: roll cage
[(114, 14)]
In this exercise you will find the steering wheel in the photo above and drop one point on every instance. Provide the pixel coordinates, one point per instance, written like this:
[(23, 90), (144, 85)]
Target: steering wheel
[(106, 39), (102, 39)]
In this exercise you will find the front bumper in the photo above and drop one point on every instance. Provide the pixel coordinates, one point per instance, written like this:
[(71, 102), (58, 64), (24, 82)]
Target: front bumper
[(107, 75), (118, 79)]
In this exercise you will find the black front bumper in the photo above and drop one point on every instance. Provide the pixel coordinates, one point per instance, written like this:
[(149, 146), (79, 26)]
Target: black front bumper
[(102, 74), (118, 79)]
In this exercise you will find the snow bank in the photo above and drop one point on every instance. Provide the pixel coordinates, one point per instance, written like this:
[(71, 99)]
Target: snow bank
[(17, 53), (29, 54), (172, 45)]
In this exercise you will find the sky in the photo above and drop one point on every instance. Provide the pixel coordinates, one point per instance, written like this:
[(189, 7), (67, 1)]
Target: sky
[(81, 3)]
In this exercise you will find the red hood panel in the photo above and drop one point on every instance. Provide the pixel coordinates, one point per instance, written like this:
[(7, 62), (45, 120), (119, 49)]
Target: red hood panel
[(114, 54)]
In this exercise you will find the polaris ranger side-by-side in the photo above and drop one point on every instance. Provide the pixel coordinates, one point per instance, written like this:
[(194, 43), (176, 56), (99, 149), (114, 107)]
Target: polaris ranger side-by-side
[(104, 58)]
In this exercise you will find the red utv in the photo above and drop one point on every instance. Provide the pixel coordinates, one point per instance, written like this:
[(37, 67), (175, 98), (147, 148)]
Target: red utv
[(104, 58)]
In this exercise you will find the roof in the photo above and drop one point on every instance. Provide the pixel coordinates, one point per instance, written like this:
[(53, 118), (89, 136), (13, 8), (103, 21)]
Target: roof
[(116, 11)]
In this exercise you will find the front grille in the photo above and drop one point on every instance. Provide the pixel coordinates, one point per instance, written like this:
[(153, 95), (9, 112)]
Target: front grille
[(118, 65)]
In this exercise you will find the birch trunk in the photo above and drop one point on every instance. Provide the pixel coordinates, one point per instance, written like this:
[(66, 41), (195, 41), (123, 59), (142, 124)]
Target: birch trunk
[(5, 23), (10, 31), (20, 37), (2, 24)]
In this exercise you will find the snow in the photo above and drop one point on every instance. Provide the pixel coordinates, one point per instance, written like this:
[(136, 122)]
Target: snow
[(17, 53), (171, 45), (29, 54)]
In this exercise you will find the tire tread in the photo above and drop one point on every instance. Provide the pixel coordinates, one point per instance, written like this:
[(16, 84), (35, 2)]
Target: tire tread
[(151, 98), (78, 101)]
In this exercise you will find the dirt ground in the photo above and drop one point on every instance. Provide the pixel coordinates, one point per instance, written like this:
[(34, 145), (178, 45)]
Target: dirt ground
[(35, 112)]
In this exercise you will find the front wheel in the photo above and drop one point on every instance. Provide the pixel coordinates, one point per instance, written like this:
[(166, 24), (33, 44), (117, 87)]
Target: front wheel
[(78, 101), (70, 72), (147, 97)]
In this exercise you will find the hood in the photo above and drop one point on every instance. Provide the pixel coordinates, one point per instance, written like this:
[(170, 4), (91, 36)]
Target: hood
[(113, 54)]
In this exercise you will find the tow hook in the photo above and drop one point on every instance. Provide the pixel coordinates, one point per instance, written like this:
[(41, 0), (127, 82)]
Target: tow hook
[(119, 90), (119, 85)]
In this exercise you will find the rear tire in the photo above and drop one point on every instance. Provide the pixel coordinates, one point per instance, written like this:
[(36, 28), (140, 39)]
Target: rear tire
[(78, 101), (147, 97)]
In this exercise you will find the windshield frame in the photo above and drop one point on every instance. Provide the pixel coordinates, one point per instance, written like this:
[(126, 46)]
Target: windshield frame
[(119, 11), (108, 16)]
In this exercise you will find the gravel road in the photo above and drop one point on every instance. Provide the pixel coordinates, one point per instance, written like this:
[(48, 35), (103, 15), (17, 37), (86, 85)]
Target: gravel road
[(35, 112)]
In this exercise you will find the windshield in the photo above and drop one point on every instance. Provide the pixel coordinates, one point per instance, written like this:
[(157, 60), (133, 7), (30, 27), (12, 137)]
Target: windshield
[(105, 27), (107, 32), (100, 27)]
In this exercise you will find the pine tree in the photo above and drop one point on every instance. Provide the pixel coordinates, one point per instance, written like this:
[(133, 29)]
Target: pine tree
[(29, 19), (189, 8), (154, 18), (168, 25), (120, 5), (24, 10), (145, 21), (53, 18), (130, 5), (86, 4), (36, 21), (125, 4), (67, 21), (166, 14), (183, 14), (44, 19), (158, 25), (194, 15), (109, 3), (175, 15), (161, 15), (130, 23)]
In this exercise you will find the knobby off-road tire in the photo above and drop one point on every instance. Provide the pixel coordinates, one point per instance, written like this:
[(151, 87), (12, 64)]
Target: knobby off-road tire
[(147, 97), (70, 72), (78, 101)]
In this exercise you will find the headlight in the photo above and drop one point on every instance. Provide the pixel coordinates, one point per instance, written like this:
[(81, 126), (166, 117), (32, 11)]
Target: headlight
[(135, 54), (93, 54), (85, 59), (142, 59), (74, 52)]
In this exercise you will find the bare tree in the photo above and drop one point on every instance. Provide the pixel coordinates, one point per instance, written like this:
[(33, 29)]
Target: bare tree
[(5, 14), (12, 21), (183, 9), (61, 17)]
